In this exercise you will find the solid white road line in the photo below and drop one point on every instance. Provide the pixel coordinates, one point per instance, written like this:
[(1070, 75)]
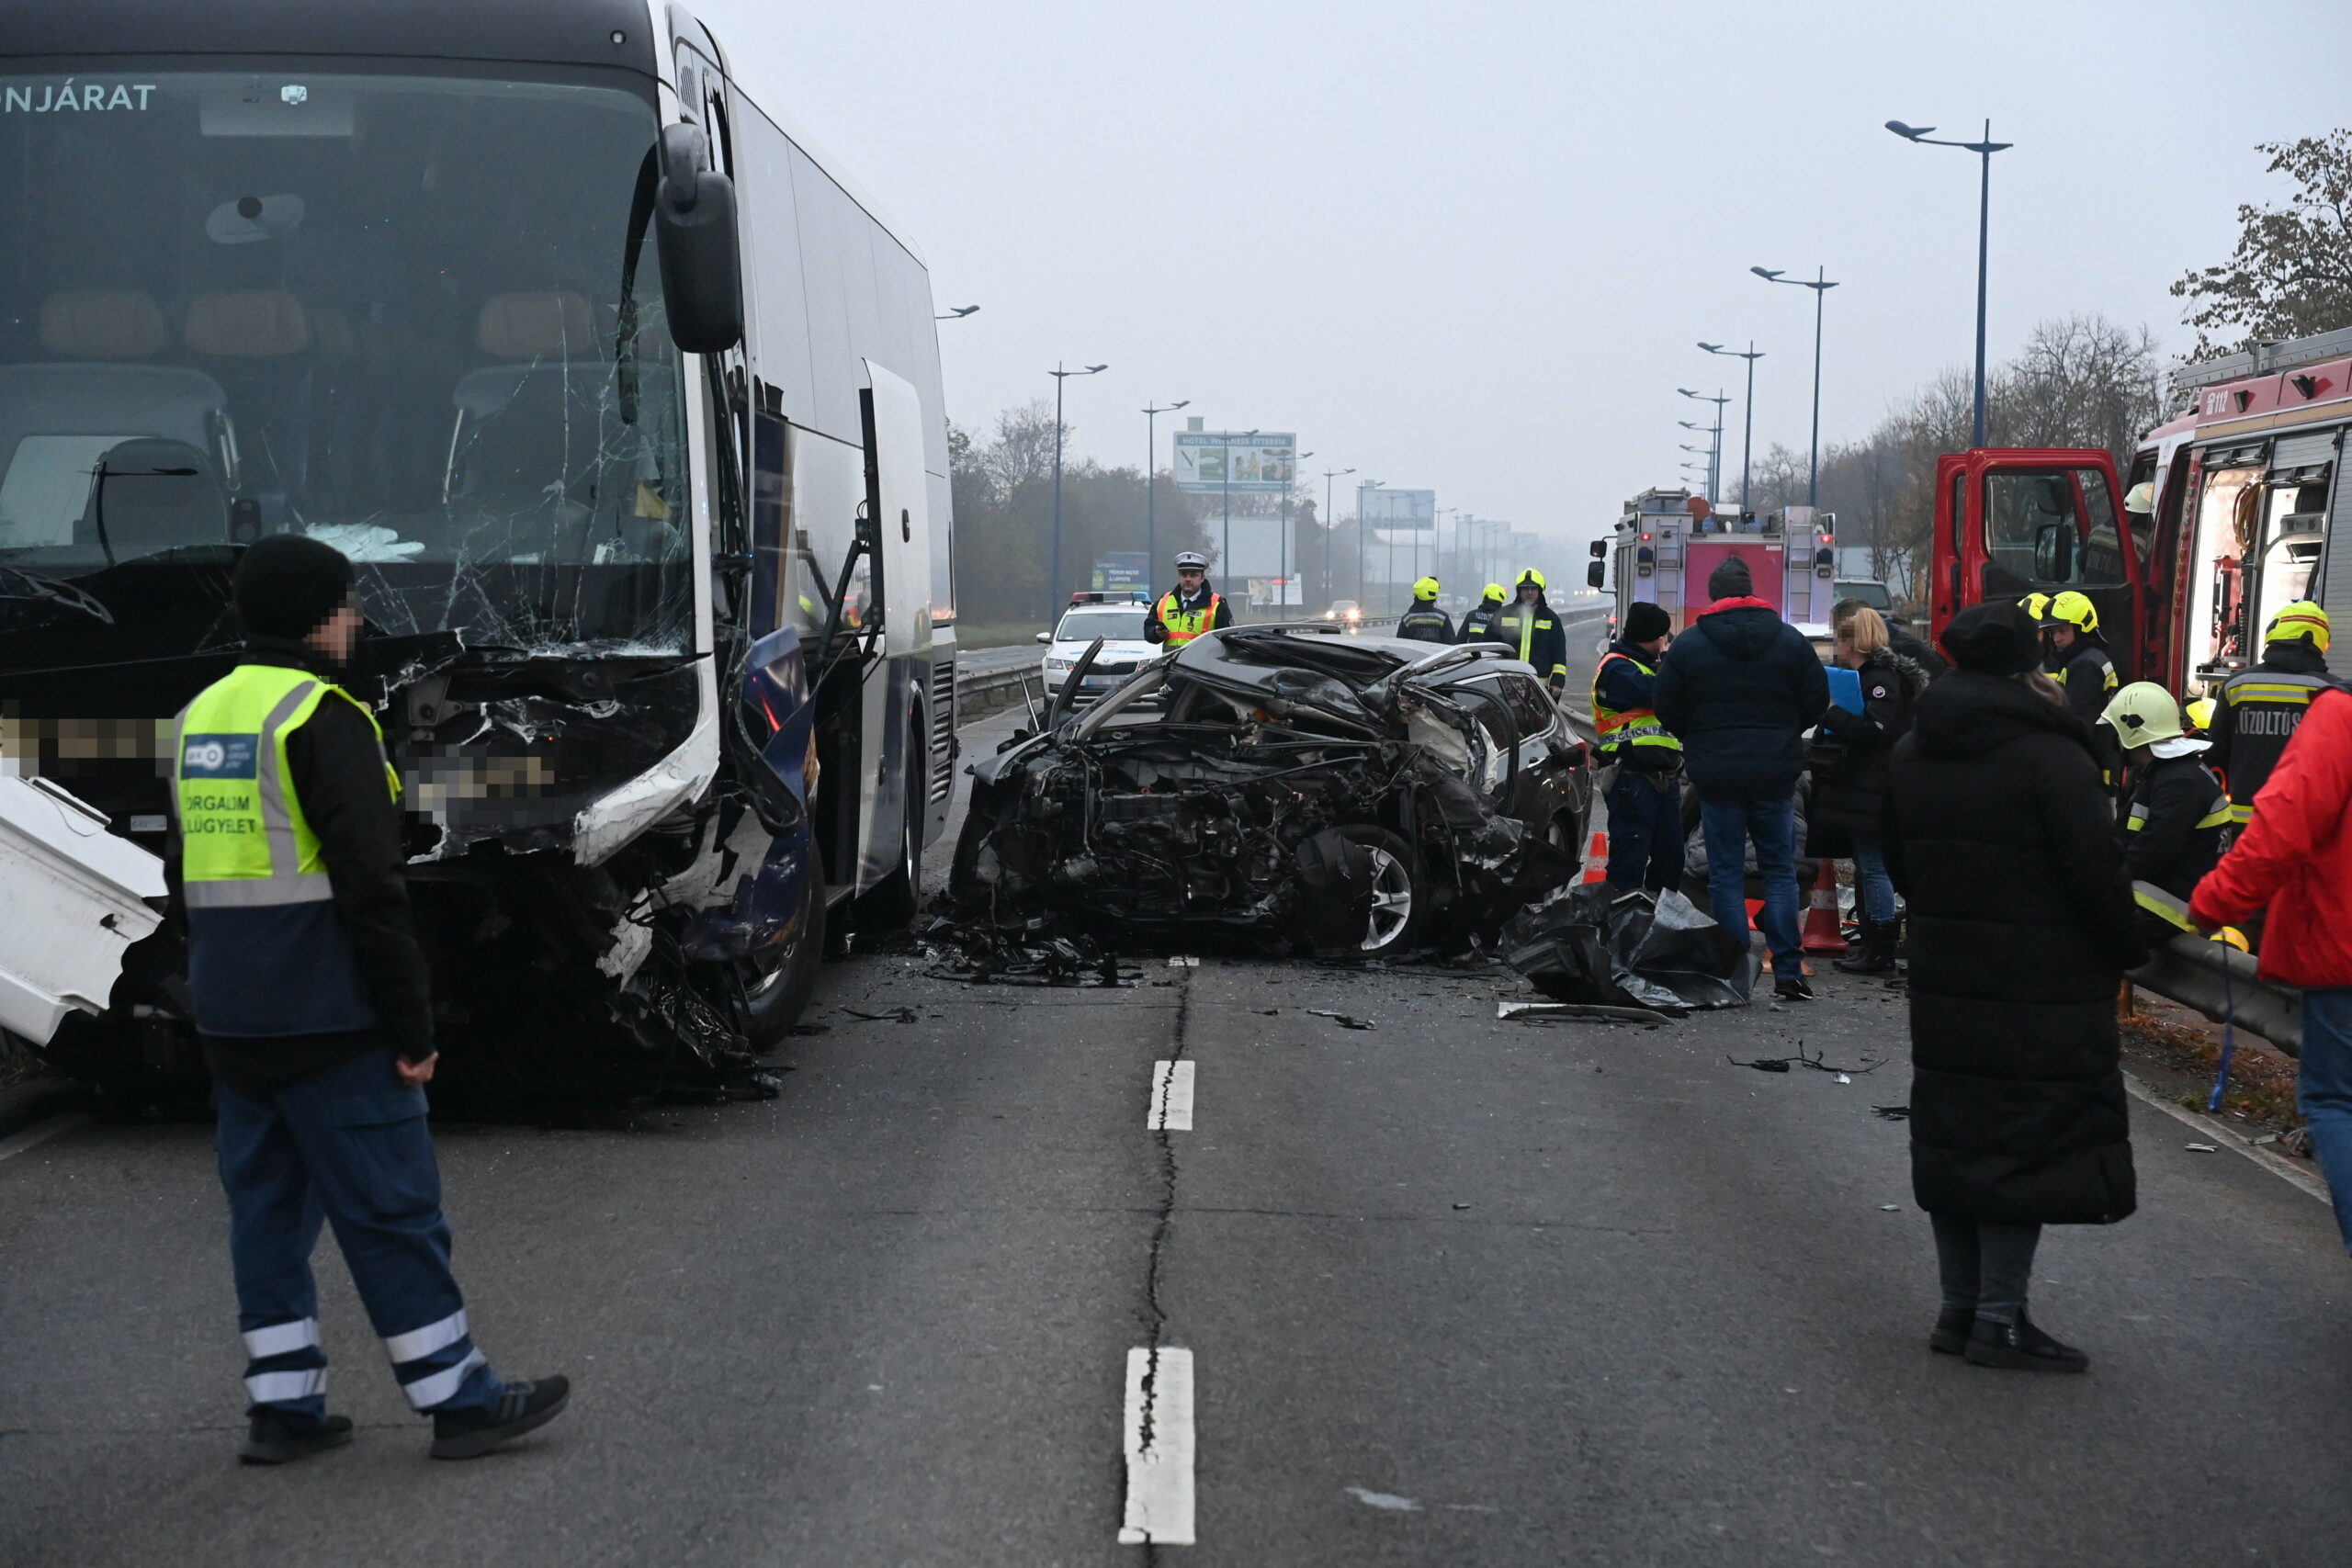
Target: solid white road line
[(1159, 1477), (40, 1132), (2278, 1165), (1171, 1097)]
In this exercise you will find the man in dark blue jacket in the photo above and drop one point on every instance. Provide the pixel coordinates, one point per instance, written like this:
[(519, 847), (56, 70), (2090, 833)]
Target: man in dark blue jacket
[(1740, 689)]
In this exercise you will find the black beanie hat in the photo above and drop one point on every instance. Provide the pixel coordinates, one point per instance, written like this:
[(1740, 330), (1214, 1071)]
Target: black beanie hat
[(288, 585), (1994, 639), (1730, 581), (1644, 620)]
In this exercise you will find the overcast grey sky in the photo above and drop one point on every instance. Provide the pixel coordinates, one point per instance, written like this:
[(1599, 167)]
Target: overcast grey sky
[(1470, 247)]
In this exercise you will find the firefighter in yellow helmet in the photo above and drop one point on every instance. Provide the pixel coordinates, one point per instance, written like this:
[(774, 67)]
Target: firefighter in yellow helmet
[(1478, 623), (2261, 708), (2084, 667), (2177, 808), (2038, 607), (1533, 629), (1425, 622)]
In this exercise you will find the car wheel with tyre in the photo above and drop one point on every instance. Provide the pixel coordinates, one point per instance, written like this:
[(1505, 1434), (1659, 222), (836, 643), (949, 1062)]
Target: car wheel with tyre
[(778, 981), (1399, 892)]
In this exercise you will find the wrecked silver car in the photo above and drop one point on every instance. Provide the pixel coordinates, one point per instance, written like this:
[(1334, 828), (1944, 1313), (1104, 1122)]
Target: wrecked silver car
[(1348, 796)]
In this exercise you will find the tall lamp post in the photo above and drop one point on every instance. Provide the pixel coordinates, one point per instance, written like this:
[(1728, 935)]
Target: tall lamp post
[(1053, 586), (1712, 431), (1331, 526), (1820, 285), (1984, 151), (1282, 583), (1151, 485), (1748, 436), (1715, 468), (1225, 558)]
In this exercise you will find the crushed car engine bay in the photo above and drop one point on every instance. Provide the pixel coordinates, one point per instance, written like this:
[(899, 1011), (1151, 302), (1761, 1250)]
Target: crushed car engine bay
[(1350, 797)]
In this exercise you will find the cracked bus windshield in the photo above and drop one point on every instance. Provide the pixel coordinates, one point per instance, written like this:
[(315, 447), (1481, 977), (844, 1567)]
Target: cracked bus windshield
[(391, 312)]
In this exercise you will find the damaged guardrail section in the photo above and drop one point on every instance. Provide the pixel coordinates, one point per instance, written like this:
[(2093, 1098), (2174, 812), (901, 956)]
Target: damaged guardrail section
[(2220, 982)]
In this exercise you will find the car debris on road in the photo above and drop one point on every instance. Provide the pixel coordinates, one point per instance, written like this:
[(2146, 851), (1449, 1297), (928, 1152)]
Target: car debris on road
[(1595, 944)]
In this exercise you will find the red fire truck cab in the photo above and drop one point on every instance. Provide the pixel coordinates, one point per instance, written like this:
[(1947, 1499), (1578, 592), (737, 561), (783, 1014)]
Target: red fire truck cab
[(2224, 517)]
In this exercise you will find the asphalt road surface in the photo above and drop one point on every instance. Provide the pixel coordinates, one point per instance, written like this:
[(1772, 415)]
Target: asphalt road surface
[(1448, 1291)]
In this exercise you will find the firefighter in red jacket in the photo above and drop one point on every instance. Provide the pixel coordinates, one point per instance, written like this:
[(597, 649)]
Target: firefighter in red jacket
[(2295, 859)]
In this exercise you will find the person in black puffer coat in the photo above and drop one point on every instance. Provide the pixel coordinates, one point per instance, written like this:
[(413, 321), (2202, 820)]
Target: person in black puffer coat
[(2001, 836), (1739, 690), (1848, 762)]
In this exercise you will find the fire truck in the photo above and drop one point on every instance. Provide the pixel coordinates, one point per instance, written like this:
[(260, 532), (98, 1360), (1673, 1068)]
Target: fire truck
[(1666, 542), (2223, 518)]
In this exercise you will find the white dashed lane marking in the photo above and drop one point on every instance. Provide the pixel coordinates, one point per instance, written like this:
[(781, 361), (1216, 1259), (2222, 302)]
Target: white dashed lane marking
[(1171, 1097), (1159, 1449)]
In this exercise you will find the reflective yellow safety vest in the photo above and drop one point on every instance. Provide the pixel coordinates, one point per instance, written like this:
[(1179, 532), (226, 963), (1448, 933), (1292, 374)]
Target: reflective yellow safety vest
[(1183, 625), (265, 955), (1618, 727)]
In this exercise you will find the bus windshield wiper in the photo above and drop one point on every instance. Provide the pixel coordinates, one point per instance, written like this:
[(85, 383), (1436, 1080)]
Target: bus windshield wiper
[(22, 582)]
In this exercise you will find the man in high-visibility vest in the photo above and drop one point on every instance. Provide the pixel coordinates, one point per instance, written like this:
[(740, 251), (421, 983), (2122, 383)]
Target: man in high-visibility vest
[(312, 1003), (1646, 795), (2260, 708), (1191, 608), (1425, 622), (1531, 626)]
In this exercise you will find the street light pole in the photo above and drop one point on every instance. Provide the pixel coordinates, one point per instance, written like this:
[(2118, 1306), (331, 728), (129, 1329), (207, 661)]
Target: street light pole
[(1225, 558), (1716, 462), (1282, 583), (1331, 526), (1053, 585), (1748, 435), (1820, 285), (1984, 150), (1151, 485)]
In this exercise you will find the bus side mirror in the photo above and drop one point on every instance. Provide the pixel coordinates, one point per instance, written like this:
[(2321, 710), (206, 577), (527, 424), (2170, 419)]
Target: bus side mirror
[(2053, 552), (1596, 574), (694, 227), (1600, 548)]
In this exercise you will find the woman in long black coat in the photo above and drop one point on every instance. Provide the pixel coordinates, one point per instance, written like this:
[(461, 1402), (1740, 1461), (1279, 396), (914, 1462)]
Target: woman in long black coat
[(2002, 839)]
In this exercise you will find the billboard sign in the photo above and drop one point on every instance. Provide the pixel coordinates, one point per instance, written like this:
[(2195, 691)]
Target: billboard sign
[(1400, 510), (1263, 464), (1125, 572)]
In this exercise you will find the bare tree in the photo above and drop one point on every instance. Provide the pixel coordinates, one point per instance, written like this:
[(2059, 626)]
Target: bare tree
[(2292, 273)]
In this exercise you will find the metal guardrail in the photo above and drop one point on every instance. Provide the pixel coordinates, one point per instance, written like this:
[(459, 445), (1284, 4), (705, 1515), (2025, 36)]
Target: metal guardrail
[(2220, 982)]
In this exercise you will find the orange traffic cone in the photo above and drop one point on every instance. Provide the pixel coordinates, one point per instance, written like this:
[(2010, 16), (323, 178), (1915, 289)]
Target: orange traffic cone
[(1821, 932), (1596, 858)]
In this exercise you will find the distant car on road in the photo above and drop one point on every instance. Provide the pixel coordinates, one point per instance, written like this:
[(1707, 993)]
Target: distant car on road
[(1119, 625), (1345, 611)]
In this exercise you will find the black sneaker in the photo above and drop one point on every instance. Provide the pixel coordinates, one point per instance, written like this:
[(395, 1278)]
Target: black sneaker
[(1951, 1334), (2019, 1347), (1792, 988), (525, 1406), (278, 1437)]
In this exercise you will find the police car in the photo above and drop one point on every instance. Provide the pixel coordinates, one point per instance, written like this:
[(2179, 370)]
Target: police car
[(1118, 620)]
